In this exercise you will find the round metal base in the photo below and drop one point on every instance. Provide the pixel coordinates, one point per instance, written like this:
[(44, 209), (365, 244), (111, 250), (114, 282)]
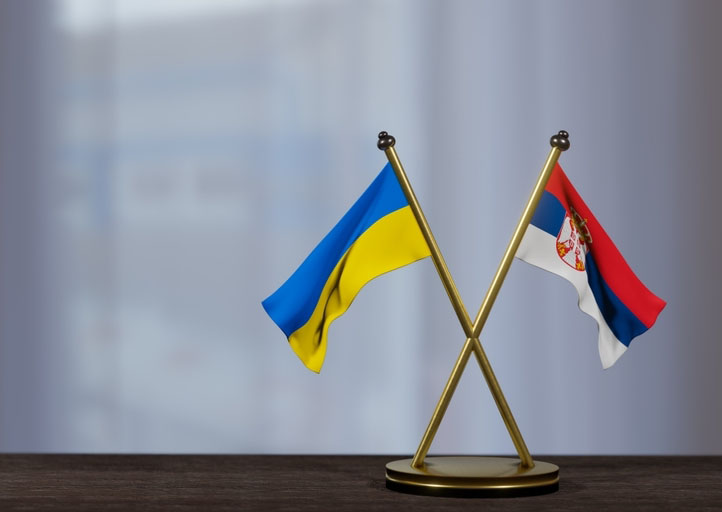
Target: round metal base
[(494, 477)]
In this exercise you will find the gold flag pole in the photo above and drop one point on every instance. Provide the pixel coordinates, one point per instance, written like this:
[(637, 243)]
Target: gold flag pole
[(478, 476), (559, 143), (386, 143)]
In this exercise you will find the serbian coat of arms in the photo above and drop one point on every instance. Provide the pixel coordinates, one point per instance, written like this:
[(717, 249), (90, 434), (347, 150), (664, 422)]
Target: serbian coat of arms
[(573, 240)]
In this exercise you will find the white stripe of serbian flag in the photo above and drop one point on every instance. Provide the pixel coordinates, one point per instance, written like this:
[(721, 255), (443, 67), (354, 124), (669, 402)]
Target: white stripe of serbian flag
[(565, 238)]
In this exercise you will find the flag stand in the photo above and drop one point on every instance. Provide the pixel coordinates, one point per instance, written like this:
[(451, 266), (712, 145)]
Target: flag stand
[(469, 475)]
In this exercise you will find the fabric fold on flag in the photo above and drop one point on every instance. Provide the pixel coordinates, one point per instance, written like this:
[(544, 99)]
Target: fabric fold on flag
[(378, 234), (565, 238)]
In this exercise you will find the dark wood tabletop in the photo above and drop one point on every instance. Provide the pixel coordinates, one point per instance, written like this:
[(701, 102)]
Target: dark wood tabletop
[(333, 482)]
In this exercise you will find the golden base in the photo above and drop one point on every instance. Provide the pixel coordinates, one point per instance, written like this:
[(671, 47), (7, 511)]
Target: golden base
[(472, 477)]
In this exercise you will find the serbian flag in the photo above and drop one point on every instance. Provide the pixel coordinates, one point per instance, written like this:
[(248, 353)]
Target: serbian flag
[(565, 238), (378, 234)]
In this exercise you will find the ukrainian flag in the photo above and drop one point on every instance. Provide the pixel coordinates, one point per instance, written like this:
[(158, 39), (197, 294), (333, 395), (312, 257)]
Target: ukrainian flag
[(378, 234)]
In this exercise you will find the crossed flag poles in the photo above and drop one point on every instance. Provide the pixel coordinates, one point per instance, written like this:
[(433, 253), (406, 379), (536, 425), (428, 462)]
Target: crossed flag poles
[(386, 229), (422, 477)]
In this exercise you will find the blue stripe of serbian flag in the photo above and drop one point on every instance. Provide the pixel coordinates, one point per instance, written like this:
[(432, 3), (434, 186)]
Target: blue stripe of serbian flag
[(378, 234), (565, 238)]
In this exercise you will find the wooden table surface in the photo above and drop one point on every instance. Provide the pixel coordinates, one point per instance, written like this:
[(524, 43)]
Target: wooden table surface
[(337, 483)]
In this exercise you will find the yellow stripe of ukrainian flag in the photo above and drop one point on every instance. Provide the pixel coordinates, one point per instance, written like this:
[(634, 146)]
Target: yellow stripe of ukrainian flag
[(391, 242)]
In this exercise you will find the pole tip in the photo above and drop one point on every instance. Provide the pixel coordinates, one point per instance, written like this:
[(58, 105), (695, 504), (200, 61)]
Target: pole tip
[(560, 140), (386, 141)]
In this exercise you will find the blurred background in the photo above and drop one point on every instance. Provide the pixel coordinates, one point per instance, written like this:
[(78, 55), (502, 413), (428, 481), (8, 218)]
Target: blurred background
[(166, 165)]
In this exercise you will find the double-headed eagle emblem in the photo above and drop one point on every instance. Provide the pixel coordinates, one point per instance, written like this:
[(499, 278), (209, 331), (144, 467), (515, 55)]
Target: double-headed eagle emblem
[(573, 240)]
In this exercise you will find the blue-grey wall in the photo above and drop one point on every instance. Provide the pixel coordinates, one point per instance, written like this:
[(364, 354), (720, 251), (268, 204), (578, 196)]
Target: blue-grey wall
[(161, 172)]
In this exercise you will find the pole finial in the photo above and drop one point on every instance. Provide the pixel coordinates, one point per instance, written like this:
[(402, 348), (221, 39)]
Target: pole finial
[(560, 140), (386, 141)]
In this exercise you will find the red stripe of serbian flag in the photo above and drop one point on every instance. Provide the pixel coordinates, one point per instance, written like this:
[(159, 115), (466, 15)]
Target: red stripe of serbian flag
[(565, 238)]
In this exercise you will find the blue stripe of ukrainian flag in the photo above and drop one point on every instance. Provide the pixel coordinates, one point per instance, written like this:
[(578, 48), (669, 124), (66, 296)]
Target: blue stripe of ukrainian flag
[(378, 234)]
